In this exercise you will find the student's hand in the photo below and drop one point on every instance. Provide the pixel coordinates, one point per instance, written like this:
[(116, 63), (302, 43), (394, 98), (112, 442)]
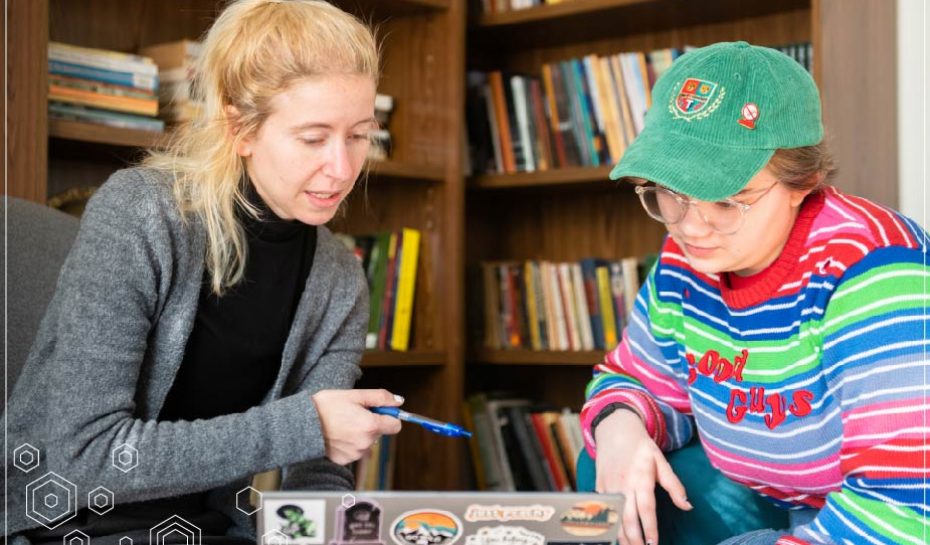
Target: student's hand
[(349, 428), (629, 462)]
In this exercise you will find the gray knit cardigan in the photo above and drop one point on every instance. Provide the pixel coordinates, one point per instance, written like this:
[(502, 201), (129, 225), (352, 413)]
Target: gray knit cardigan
[(111, 344)]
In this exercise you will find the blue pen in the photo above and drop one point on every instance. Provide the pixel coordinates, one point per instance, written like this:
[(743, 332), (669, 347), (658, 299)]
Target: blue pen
[(435, 426)]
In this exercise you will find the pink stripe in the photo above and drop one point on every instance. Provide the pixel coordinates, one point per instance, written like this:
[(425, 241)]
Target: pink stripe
[(666, 388), (776, 474), (914, 417)]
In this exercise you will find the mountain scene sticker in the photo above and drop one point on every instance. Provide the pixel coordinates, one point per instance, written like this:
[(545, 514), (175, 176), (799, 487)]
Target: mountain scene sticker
[(426, 527), (588, 518)]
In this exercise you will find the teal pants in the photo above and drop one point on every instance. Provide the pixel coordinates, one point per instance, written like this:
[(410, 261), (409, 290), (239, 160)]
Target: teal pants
[(722, 508)]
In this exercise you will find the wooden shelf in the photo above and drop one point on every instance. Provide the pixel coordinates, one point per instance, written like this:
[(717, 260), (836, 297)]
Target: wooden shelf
[(101, 134), (382, 358), (398, 7), (531, 357), (559, 176), (552, 11), (404, 171)]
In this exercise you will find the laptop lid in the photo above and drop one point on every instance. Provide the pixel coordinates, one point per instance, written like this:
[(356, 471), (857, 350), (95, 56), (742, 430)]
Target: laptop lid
[(438, 518)]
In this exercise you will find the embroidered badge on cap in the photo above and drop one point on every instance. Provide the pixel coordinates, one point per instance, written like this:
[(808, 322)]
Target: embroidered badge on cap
[(750, 113), (696, 99)]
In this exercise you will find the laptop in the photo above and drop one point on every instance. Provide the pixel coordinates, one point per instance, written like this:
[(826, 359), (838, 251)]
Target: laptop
[(438, 518)]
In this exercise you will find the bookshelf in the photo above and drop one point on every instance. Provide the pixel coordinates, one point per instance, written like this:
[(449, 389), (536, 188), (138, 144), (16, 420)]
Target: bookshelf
[(572, 213), (555, 215), (420, 186)]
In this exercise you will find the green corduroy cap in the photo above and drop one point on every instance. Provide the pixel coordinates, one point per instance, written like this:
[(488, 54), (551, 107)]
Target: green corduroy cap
[(717, 117)]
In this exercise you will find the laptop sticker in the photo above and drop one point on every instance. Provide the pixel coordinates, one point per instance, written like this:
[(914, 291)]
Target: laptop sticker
[(358, 523), (505, 535), (302, 522), (588, 518), (507, 513), (426, 527)]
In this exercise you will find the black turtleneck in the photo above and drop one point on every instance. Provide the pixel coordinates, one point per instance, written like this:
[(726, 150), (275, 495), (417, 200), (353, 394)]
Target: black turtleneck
[(233, 354)]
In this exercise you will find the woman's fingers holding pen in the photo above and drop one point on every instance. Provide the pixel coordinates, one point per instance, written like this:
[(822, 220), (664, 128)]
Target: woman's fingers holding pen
[(349, 427)]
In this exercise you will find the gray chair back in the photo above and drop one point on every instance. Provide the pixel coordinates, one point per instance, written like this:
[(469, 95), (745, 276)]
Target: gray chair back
[(38, 240)]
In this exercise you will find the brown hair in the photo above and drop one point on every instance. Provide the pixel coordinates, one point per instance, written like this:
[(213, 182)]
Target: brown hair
[(804, 169)]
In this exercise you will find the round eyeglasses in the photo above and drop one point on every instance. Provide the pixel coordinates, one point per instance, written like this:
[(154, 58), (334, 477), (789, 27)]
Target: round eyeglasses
[(725, 217)]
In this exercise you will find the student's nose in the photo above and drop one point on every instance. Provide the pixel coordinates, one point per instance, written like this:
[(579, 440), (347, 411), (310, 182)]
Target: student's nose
[(693, 224), (338, 163)]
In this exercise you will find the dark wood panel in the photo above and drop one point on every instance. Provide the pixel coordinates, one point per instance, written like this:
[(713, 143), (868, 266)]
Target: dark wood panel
[(379, 358), (27, 148), (771, 29), (649, 25), (559, 225), (556, 386), (858, 79), (558, 176), (128, 26), (586, 358)]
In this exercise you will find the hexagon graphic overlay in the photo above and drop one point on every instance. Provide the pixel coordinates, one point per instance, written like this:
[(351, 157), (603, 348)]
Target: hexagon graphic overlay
[(51, 500), (76, 537), (171, 525), (26, 457), (274, 537), (125, 457), (100, 500), (243, 502)]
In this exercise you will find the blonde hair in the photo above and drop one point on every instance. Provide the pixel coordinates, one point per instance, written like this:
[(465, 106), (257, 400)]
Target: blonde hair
[(254, 50), (810, 168)]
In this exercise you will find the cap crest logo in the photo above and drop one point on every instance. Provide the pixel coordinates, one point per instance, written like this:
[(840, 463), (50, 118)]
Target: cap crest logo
[(696, 99)]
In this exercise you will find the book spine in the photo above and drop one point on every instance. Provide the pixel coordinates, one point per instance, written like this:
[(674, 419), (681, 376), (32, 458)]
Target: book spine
[(99, 58), (107, 102), (607, 307), (406, 284), (140, 81)]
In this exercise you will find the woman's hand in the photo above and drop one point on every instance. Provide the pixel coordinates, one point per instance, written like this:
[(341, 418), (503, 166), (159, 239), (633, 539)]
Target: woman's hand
[(629, 462), (349, 428)]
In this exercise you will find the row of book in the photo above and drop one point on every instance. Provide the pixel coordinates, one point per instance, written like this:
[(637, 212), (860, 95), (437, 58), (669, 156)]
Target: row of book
[(518, 446), (577, 112), (104, 87), (541, 305), (390, 261)]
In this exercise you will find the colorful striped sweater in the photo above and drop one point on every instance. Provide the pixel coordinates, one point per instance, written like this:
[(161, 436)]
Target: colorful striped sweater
[(810, 385)]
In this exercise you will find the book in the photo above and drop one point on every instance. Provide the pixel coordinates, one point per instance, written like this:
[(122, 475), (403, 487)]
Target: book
[(118, 77), (85, 97), (406, 284), (179, 53), (104, 59), (69, 112), (377, 279)]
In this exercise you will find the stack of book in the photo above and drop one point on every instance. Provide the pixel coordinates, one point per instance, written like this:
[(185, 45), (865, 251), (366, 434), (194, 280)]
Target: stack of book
[(577, 112), (103, 87), (177, 62), (518, 446), (541, 305), (381, 137), (390, 260)]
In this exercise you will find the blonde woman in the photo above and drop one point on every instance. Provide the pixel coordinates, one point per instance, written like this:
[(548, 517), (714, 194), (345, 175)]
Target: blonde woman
[(206, 322)]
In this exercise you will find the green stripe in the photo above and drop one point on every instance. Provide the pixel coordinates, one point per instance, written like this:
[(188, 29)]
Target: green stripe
[(908, 526)]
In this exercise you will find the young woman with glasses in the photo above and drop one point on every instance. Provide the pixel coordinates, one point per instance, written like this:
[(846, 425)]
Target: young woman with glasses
[(785, 322)]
